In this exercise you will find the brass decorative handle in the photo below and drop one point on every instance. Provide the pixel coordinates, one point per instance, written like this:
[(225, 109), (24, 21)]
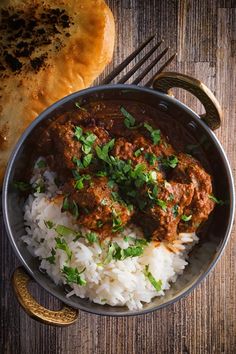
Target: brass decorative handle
[(167, 80), (66, 316)]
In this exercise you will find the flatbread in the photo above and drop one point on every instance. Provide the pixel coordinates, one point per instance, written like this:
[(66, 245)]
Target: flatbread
[(49, 49)]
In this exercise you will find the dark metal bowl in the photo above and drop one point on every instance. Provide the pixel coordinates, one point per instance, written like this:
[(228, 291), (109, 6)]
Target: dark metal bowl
[(204, 255)]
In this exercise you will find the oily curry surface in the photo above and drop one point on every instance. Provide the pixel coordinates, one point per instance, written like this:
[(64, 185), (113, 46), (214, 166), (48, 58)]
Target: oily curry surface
[(116, 163)]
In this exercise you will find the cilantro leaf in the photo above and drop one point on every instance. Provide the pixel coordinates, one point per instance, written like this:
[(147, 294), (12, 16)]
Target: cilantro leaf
[(51, 259), (138, 152), (79, 106), (157, 284), (87, 160), (155, 133), (118, 253), (49, 224), (79, 182), (74, 209), (101, 173), (100, 223), (129, 120), (91, 237), (39, 187), (162, 204), (62, 245), (78, 132), (186, 218), (116, 222), (65, 204), (111, 251), (216, 200), (171, 161), (102, 152), (64, 230), (72, 275), (151, 158), (175, 210)]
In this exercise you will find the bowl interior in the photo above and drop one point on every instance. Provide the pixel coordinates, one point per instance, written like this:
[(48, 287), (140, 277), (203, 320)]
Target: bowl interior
[(213, 240)]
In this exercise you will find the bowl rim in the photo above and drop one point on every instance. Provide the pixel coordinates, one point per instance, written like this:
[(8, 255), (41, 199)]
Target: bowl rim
[(43, 116)]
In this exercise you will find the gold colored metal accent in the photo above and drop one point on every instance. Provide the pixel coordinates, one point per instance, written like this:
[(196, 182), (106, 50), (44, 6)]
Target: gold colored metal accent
[(167, 80), (65, 316)]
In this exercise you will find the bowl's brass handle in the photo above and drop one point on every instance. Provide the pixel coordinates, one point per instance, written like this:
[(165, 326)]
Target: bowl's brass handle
[(65, 316), (167, 80)]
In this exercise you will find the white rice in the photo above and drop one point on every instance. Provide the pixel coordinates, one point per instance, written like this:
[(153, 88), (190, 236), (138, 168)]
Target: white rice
[(117, 283)]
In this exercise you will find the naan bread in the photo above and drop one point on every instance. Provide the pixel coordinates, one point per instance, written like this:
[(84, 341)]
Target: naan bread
[(49, 49)]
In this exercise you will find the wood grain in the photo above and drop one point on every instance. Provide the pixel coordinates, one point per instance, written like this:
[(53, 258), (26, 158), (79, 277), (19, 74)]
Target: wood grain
[(203, 32)]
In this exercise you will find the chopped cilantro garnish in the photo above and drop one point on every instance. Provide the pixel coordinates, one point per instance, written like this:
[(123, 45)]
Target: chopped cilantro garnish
[(118, 253), (78, 132), (111, 251), (64, 230), (136, 241), (162, 204), (186, 218), (100, 223), (155, 133), (79, 106), (102, 152), (87, 142), (83, 163), (39, 187), (74, 209), (70, 206), (87, 160), (72, 275), (41, 164), (157, 284), (51, 259), (171, 161), (65, 204), (129, 120), (101, 173), (132, 251), (116, 222), (78, 236), (78, 162), (151, 158), (62, 245), (91, 237), (49, 224), (152, 176), (22, 186), (175, 210), (138, 152), (86, 139), (216, 200), (79, 183)]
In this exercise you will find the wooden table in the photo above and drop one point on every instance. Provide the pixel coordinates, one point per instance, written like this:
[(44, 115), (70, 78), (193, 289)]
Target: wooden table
[(204, 35)]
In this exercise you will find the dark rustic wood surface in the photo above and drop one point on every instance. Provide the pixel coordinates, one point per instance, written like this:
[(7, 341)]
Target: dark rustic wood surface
[(204, 35)]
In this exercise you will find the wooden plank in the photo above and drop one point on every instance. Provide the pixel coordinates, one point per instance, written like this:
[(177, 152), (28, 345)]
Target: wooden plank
[(204, 34)]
